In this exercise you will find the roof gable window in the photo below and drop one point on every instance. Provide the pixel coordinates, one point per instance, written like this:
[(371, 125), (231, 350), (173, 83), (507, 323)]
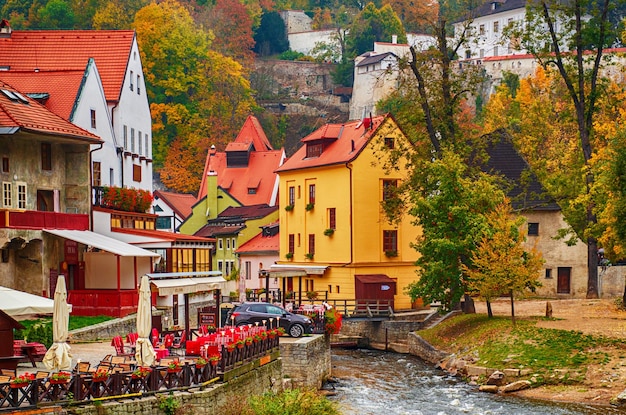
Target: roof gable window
[(314, 150)]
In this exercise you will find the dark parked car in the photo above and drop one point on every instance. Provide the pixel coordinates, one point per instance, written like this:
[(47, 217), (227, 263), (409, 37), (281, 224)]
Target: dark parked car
[(251, 312)]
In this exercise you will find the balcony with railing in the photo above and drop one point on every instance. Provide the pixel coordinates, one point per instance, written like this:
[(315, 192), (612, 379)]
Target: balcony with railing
[(35, 219)]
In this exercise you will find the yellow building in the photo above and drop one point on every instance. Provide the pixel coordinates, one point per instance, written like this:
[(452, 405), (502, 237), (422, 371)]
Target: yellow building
[(334, 235)]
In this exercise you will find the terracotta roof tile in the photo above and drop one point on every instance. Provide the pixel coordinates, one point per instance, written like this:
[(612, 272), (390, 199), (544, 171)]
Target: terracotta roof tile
[(181, 203), (211, 231), (29, 115), (261, 244), (62, 87), (343, 143), (162, 235), (56, 50), (262, 162)]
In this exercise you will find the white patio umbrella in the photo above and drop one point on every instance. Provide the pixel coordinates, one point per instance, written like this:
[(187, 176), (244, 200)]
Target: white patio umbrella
[(58, 356), (144, 353)]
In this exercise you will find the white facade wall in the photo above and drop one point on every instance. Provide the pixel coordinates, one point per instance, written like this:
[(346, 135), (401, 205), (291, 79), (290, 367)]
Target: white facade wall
[(131, 116), (159, 207), (91, 98), (486, 35), (304, 42)]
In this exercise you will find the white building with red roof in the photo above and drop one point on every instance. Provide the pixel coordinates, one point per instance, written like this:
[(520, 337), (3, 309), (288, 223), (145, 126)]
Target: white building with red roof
[(71, 72)]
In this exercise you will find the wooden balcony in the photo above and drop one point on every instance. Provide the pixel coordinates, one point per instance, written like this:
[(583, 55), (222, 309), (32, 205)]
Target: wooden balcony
[(103, 302), (34, 219)]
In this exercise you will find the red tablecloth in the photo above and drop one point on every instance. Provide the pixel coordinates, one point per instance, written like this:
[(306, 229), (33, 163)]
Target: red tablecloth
[(161, 353)]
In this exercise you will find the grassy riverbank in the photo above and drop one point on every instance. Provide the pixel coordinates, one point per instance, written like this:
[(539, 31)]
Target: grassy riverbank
[(550, 356)]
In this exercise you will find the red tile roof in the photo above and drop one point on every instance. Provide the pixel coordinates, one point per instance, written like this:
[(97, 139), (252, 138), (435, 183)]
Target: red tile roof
[(162, 235), (252, 132), (261, 245), (261, 165), (56, 50), (62, 87), (211, 231), (342, 144), (181, 203), (28, 115)]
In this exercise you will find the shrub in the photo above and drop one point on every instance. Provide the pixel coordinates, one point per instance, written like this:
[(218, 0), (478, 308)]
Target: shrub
[(332, 321), (294, 402), (40, 333)]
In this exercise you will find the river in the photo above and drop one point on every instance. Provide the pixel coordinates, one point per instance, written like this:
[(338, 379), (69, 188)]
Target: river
[(370, 382)]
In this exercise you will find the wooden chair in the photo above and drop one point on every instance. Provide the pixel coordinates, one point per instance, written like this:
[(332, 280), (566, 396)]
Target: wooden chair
[(178, 346), (120, 349), (8, 372), (5, 379), (42, 375), (82, 367)]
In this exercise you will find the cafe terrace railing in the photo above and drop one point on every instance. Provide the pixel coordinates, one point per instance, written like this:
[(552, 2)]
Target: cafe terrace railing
[(82, 388)]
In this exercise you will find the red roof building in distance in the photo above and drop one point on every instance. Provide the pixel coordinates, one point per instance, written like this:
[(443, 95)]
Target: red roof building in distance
[(246, 168), (21, 113), (172, 209)]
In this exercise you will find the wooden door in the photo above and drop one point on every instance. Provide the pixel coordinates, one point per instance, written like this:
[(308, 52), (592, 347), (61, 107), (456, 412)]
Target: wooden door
[(563, 282)]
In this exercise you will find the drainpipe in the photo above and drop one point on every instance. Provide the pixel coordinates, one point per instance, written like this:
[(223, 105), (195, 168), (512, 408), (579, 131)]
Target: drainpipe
[(349, 167), (91, 183)]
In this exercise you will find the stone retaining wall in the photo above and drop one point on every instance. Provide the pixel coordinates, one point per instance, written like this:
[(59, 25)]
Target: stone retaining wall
[(306, 361), (382, 335), (105, 330), (202, 402)]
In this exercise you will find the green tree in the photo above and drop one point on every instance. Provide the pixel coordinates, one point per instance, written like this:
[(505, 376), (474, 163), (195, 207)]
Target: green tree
[(271, 37), (571, 37), (56, 14), (450, 203), (501, 265)]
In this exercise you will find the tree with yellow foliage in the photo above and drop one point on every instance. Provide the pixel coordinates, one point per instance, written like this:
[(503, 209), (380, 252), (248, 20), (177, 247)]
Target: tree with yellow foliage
[(502, 265)]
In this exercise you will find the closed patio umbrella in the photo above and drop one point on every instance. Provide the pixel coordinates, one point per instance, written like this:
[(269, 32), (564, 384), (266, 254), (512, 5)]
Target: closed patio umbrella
[(58, 356), (144, 353)]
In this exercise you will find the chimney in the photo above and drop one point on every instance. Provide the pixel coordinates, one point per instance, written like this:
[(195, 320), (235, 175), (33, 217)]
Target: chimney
[(394, 39), (5, 28)]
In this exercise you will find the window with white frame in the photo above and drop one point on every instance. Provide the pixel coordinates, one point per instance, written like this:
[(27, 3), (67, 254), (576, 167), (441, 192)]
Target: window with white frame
[(220, 243), (139, 142), (220, 265), (248, 270), (125, 137), (21, 195), (7, 194), (228, 244), (234, 243), (146, 146), (132, 140)]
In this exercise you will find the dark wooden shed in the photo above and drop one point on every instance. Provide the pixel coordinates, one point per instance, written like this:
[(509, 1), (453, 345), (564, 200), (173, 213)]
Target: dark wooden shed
[(374, 287), (8, 360)]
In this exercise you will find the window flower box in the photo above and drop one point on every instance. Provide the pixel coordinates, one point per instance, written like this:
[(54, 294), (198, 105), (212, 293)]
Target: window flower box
[(289, 208), (329, 232), (309, 206)]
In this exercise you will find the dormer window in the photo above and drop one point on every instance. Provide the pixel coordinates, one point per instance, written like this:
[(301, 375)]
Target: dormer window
[(313, 150)]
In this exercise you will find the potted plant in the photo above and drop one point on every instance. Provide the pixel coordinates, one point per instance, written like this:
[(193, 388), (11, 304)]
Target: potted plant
[(311, 295), (200, 362), (101, 375), (240, 344), (391, 253), (249, 341), (141, 372), (231, 347), (289, 208), (310, 206), (309, 255), (289, 255), (174, 367), (60, 378), (214, 359), (280, 331), (329, 232), (22, 380), (271, 334)]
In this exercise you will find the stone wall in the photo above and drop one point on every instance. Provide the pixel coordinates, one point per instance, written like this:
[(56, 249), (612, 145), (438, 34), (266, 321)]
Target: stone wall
[(424, 350), (196, 401), (105, 330), (306, 361), (382, 335)]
